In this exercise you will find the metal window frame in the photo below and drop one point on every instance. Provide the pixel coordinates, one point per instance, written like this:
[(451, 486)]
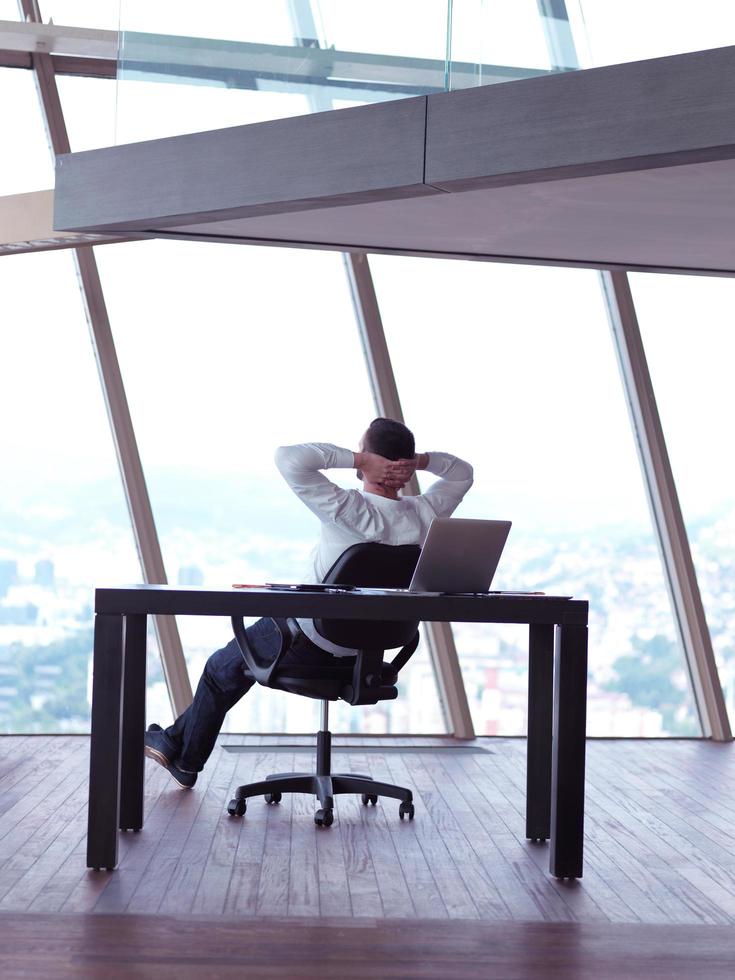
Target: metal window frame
[(113, 390), (680, 574), (355, 75)]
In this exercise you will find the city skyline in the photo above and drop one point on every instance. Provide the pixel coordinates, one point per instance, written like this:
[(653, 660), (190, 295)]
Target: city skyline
[(604, 570)]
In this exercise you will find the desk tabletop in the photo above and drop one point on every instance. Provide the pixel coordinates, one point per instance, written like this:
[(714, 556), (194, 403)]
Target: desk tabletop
[(174, 600)]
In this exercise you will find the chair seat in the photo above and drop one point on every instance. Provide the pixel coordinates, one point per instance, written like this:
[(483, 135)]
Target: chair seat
[(323, 683), (323, 688)]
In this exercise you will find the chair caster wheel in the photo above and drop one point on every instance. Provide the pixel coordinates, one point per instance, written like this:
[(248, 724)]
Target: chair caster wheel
[(237, 808), (324, 818), (369, 798), (406, 809), (273, 797)]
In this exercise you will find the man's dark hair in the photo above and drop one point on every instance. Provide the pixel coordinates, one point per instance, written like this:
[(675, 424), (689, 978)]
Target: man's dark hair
[(390, 439)]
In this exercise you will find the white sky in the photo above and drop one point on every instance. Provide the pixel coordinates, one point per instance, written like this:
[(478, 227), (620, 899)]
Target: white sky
[(229, 351)]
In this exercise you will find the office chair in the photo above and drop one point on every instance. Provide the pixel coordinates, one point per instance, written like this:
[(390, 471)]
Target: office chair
[(367, 681)]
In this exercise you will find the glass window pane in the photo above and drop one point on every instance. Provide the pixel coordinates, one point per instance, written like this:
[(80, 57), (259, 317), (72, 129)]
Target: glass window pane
[(627, 30), (98, 113), (89, 111), (503, 34), (64, 526), (26, 162), (149, 110), (103, 14), (413, 28), (513, 369), (230, 20), (687, 327), (197, 68), (228, 353), (153, 102)]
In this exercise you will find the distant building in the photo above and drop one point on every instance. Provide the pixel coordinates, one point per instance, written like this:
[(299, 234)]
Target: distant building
[(25, 615), (8, 575), (44, 573), (190, 575)]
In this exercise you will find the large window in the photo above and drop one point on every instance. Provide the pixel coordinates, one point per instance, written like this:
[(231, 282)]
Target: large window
[(609, 32), (102, 14), (25, 164), (63, 523), (228, 353), (512, 368), (688, 331)]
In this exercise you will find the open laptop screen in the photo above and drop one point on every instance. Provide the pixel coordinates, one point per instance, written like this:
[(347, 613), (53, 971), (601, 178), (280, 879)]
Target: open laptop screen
[(460, 555)]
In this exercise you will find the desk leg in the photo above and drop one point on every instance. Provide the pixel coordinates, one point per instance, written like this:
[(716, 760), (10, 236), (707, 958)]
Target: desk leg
[(540, 704), (567, 773), (133, 724), (104, 753)]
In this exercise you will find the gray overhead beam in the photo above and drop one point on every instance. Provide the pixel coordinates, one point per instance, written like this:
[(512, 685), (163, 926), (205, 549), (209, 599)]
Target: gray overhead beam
[(357, 155), (662, 112), (629, 166), (131, 470)]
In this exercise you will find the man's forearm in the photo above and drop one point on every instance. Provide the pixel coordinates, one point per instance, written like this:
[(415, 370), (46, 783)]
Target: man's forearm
[(422, 461)]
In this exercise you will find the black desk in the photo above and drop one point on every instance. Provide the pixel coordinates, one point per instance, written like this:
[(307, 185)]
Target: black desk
[(557, 691)]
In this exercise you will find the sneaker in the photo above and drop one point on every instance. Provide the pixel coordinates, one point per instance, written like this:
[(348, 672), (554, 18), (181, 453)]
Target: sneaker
[(156, 747)]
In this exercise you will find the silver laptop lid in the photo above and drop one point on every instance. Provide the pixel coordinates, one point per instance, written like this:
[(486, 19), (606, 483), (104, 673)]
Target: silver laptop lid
[(459, 555)]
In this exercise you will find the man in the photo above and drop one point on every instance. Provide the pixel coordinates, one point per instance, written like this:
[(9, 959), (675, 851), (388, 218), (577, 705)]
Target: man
[(385, 462)]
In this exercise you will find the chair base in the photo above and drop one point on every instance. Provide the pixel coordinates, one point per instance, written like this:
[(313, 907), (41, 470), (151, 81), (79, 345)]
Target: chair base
[(325, 786)]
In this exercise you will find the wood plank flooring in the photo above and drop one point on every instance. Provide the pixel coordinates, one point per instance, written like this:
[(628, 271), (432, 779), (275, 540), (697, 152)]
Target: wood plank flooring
[(660, 837), (120, 947)]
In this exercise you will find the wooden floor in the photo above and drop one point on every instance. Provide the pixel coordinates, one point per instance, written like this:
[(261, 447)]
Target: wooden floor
[(161, 947), (660, 838)]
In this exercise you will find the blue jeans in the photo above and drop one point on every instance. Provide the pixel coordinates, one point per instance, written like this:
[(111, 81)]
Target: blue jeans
[(224, 681)]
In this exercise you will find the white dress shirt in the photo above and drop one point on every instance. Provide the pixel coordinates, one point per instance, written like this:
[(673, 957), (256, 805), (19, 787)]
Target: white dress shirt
[(350, 516)]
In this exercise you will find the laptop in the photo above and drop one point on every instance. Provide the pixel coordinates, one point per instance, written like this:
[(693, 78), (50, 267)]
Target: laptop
[(459, 555)]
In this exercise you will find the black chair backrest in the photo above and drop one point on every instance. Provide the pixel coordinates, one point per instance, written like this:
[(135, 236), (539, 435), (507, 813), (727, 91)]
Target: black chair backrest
[(377, 566)]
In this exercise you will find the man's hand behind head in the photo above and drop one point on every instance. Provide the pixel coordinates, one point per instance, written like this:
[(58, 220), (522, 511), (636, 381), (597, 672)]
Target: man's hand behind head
[(392, 473), (400, 473)]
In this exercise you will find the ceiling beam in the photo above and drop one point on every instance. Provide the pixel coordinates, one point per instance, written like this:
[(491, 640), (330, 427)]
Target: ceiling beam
[(35, 38), (627, 166), (26, 225)]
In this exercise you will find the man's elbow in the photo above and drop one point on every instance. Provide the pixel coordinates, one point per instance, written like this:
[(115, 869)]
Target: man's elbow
[(282, 456)]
